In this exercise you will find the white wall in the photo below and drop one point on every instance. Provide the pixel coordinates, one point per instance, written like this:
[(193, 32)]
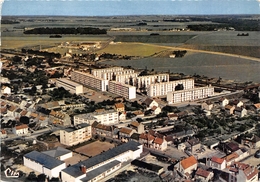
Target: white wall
[(66, 156), (33, 165)]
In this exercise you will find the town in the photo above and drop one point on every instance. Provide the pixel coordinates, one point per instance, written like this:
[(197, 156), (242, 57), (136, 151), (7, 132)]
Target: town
[(67, 121)]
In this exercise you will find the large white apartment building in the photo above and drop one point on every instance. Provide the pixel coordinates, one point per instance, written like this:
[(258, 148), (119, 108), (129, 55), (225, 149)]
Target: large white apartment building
[(106, 117), (72, 87), (109, 73), (75, 135), (126, 78), (121, 89), (162, 88), (89, 80), (145, 81), (190, 94)]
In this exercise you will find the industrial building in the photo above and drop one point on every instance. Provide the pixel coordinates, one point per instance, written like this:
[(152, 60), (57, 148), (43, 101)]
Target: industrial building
[(72, 87)]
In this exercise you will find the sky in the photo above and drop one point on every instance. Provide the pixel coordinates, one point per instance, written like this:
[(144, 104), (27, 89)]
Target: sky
[(128, 7)]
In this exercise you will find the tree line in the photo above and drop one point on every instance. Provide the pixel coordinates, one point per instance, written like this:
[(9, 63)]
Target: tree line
[(79, 30)]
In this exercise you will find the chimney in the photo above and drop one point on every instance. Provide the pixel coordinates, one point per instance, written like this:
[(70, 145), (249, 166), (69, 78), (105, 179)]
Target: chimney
[(83, 169)]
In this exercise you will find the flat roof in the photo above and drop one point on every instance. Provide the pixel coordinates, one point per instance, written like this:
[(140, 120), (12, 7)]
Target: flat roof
[(69, 82), (43, 159), (74, 170)]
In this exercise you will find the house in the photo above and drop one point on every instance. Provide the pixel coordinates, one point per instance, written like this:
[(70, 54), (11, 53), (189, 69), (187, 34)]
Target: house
[(122, 116), (252, 141), (11, 110), (100, 166), (20, 130), (75, 135), (236, 103), (203, 175), (240, 111), (215, 162), (125, 133), (207, 106), (223, 102), (195, 144), (156, 110), (3, 133), (173, 117), (229, 109), (236, 156), (102, 130), (150, 103), (59, 153), (239, 172), (139, 127), (120, 107), (187, 165), (160, 143), (43, 163), (5, 90), (147, 140)]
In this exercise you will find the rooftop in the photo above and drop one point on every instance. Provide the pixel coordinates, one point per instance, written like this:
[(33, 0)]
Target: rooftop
[(202, 172), (57, 152), (188, 162)]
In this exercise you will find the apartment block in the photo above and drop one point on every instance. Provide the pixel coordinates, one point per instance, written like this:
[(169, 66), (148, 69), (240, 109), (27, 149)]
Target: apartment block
[(145, 81), (126, 78), (72, 87), (121, 89), (75, 135), (106, 117), (162, 88), (190, 94), (89, 80), (111, 73)]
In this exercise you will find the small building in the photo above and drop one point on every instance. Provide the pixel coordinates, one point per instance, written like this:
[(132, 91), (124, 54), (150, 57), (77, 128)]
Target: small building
[(125, 133), (187, 165), (223, 102), (160, 143), (229, 109), (195, 144), (240, 111), (203, 175), (20, 130), (5, 90), (43, 163), (102, 130), (148, 166), (215, 162), (150, 103), (252, 141), (207, 106), (139, 127), (156, 110), (3, 133), (59, 153), (120, 107)]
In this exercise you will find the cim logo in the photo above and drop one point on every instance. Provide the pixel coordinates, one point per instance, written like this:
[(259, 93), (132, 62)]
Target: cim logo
[(9, 173)]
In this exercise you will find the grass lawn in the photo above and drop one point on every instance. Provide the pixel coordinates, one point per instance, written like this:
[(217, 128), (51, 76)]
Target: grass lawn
[(132, 49)]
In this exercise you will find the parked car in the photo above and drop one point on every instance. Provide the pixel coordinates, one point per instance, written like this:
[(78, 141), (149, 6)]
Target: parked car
[(257, 154)]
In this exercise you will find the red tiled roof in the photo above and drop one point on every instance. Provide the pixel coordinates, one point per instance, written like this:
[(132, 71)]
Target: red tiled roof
[(119, 105), (231, 157), (202, 172), (125, 130), (158, 140), (217, 160), (188, 162)]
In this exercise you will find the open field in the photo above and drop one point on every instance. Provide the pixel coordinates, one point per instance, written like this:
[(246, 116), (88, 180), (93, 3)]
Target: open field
[(94, 148), (132, 49), (234, 68)]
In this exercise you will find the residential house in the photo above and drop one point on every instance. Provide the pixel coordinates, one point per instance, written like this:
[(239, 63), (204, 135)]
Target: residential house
[(239, 172), (102, 130), (236, 103), (120, 107), (75, 135), (203, 175), (43, 163), (240, 111), (188, 165), (215, 162), (139, 127), (150, 103), (252, 141), (125, 133), (223, 102), (229, 109), (122, 116), (195, 144), (20, 130), (146, 139), (172, 116), (11, 110), (5, 90), (207, 106), (236, 156), (156, 110), (18, 112), (61, 118), (160, 143)]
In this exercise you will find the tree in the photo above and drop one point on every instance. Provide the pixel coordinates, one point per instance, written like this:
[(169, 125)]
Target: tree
[(33, 90), (32, 176), (41, 177), (24, 120)]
